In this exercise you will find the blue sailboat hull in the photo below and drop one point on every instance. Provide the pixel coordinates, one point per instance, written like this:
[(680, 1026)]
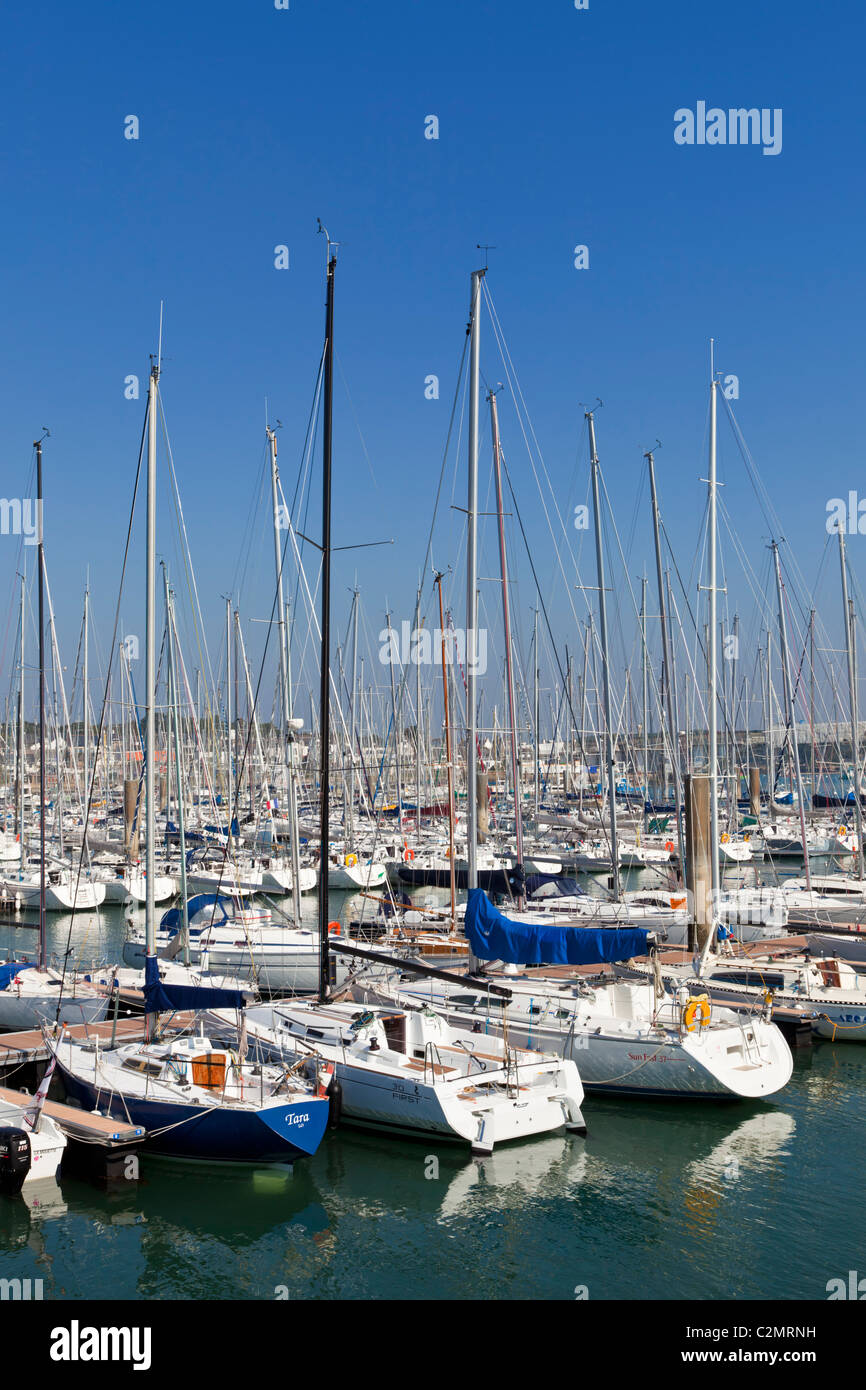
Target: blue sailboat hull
[(277, 1133)]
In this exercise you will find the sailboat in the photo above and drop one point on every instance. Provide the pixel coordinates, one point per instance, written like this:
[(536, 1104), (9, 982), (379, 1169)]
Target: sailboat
[(32, 993), (406, 1070), (195, 1099), (629, 1038)]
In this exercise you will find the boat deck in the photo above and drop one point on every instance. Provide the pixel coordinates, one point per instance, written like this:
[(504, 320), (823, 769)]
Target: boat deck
[(29, 1046)]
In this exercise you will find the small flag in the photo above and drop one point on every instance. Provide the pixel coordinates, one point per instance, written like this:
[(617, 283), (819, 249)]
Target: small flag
[(32, 1114)]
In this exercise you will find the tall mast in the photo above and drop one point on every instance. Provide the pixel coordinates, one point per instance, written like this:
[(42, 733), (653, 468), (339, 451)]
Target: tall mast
[(20, 778), (418, 721), (324, 690), (644, 690), (509, 672), (353, 708), (713, 655), (86, 790), (448, 762), (535, 674), (174, 720), (790, 709), (396, 734), (150, 670), (850, 639), (229, 769), (285, 699), (41, 563), (602, 615), (472, 586)]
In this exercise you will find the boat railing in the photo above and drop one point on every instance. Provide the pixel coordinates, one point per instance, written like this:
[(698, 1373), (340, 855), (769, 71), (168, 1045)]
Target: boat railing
[(431, 1055)]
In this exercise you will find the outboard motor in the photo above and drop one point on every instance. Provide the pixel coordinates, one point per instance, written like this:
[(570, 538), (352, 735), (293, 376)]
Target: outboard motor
[(15, 1159)]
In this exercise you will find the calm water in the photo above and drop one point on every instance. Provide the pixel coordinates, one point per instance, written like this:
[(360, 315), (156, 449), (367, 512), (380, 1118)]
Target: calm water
[(660, 1199)]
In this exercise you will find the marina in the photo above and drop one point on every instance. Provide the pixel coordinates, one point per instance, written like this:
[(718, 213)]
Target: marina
[(432, 841)]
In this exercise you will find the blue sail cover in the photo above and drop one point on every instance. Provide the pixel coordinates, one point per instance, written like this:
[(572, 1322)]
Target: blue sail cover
[(173, 918), (160, 998), (8, 972), (494, 937)]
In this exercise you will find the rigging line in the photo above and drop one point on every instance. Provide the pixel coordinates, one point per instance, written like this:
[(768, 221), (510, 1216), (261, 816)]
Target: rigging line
[(357, 421), (304, 479), (511, 376), (626, 580), (513, 380), (247, 547), (556, 656), (102, 715), (186, 554)]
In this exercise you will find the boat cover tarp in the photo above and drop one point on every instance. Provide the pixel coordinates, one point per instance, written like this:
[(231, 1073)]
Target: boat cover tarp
[(493, 937), (564, 887), (162, 998), (10, 970), (173, 918)]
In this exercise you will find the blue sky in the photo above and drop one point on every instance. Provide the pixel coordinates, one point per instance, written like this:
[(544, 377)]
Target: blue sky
[(555, 129)]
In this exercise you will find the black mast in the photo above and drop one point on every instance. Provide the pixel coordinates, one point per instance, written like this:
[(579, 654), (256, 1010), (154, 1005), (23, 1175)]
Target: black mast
[(324, 693)]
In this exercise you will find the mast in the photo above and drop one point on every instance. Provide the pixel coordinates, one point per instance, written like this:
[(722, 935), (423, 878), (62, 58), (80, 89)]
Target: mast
[(790, 709), (86, 788), (396, 733), (605, 662), (418, 721), (472, 590), (41, 563), (535, 674), (229, 769), (509, 672), (448, 763), (174, 719), (324, 691), (20, 778), (668, 677), (713, 655), (150, 675), (850, 640), (353, 710), (285, 697), (644, 691)]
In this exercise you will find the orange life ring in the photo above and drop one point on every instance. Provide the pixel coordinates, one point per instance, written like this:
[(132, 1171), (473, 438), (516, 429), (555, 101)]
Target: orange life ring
[(697, 1008), (408, 854), (669, 846), (334, 929)]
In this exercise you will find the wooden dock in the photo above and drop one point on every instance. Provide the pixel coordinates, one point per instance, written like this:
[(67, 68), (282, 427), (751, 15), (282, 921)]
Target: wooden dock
[(108, 1133), (102, 1132), (17, 1048)]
